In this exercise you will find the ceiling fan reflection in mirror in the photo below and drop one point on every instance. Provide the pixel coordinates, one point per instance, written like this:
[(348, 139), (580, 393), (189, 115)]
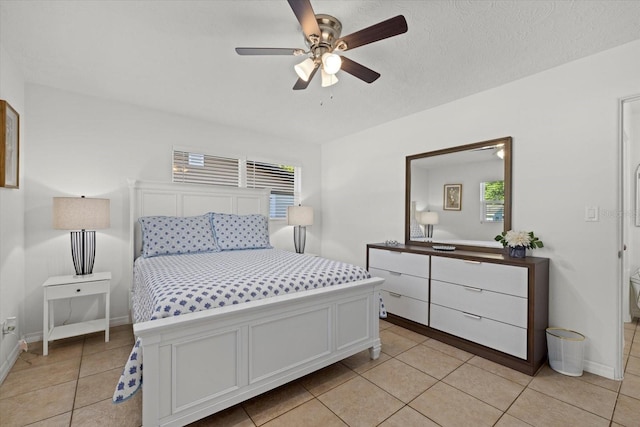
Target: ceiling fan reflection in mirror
[(322, 36)]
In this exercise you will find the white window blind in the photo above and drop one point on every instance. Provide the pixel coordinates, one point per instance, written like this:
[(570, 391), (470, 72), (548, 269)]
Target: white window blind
[(200, 168), (280, 178)]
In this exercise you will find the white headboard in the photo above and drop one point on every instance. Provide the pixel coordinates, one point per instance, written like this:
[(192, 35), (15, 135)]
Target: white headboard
[(171, 199)]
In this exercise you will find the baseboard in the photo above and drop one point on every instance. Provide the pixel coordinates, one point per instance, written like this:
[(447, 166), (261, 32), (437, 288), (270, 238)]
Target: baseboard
[(599, 369), (8, 364)]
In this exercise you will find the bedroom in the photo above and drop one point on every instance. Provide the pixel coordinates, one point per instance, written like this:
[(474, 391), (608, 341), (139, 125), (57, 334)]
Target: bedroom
[(564, 122)]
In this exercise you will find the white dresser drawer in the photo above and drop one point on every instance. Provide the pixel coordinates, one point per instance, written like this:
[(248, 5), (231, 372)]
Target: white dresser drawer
[(403, 284), (400, 262), (500, 336), (406, 307), (507, 279), (74, 290), (493, 305)]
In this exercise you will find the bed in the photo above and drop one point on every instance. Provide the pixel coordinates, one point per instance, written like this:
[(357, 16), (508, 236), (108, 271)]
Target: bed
[(205, 360)]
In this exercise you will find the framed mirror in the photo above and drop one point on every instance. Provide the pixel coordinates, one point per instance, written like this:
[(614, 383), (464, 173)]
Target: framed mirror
[(459, 196)]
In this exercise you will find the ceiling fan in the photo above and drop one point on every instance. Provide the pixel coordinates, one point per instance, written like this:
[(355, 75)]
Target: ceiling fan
[(322, 36)]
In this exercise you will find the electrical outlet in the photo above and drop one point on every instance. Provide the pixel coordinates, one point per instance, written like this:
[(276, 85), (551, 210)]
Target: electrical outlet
[(9, 325)]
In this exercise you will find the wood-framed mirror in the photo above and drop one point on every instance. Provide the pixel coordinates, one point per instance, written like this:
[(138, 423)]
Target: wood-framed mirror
[(459, 196)]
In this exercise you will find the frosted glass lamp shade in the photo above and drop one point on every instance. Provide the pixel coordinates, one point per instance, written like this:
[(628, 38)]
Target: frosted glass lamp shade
[(331, 63), (428, 218), (80, 213), (305, 68), (328, 79), (300, 215)]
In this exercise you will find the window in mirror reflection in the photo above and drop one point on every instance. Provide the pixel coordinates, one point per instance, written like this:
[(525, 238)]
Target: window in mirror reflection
[(492, 201)]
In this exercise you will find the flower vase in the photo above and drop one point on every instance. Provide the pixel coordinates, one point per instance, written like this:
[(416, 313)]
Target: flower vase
[(517, 251)]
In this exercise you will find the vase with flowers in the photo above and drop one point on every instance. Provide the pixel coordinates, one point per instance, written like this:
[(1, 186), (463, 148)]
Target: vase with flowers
[(518, 242)]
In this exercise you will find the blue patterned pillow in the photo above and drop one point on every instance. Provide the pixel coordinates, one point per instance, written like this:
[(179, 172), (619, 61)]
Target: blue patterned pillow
[(172, 235), (240, 231)]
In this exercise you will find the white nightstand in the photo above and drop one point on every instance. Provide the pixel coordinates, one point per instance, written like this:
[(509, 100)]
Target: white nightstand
[(60, 287)]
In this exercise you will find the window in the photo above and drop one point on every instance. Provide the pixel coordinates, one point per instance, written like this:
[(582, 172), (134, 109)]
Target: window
[(492, 201), (199, 168)]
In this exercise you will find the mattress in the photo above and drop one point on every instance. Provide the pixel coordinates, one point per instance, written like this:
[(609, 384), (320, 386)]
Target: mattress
[(173, 285), (178, 284)]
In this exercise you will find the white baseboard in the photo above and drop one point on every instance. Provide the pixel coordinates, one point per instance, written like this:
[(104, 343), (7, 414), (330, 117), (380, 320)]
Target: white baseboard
[(599, 369), (8, 364)]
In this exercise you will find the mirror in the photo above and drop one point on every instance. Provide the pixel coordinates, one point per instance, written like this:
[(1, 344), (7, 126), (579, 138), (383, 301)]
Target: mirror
[(459, 196)]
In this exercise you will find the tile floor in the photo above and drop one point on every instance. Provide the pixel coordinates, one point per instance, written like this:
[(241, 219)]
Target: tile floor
[(416, 382)]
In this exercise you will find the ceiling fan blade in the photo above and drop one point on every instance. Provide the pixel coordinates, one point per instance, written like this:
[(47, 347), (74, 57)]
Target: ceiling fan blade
[(382, 30), (265, 51), (358, 70), (306, 16), (301, 84)]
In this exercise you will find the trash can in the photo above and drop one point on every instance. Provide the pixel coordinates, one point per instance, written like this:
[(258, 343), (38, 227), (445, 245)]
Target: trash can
[(566, 351)]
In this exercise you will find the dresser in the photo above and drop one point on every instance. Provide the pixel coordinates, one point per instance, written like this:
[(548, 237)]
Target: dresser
[(485, 303)]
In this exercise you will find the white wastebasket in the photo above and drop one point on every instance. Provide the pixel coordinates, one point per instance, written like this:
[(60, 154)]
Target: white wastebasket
[(566, 351)]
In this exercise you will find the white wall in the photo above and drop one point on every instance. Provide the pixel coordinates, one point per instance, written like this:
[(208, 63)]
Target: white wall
[(12, 223), (79, 145), (564, 124)]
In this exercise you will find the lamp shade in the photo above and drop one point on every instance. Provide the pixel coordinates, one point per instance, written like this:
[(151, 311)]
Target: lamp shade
[(80, 213), (428, 218), (300, 215), (328, 79), (305, 68), (331, 63)]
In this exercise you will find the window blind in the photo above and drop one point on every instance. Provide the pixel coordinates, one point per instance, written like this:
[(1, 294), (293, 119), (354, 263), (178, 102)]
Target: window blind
[(198, 168)]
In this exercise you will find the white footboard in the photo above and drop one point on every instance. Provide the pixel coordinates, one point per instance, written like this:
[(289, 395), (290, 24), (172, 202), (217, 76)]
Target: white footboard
[(201, 363)]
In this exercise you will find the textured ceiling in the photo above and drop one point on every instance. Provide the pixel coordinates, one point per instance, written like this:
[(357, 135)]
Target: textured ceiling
[(178, 56)]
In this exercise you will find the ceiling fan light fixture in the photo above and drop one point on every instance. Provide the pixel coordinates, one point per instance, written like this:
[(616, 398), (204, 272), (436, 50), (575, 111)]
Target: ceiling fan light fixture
[(305, 68), (328, 79), (331, 63)]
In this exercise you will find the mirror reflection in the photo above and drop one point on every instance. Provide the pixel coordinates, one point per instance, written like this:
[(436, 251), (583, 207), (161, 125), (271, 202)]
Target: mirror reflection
[(460, 195)]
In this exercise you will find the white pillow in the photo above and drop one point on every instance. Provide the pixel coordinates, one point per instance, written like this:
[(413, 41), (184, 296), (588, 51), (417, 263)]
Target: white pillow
[(240, 231), (173, 235)]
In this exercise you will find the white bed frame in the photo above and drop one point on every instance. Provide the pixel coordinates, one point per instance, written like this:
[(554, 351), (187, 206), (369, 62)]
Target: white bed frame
[(200, 363)]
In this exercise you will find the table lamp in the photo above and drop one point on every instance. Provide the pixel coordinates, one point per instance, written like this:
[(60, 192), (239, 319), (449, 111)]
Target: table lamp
[(428, 219), (83, 215), (300, 217)]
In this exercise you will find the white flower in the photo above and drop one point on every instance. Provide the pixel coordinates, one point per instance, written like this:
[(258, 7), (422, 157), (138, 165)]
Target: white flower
[(517, 238)]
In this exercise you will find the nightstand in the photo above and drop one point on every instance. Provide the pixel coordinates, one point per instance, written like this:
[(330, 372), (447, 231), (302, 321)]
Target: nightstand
[(62, 287)]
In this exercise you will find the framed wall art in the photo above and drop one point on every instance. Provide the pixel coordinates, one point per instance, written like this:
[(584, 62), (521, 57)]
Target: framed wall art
[(9, 145), (453, 197)]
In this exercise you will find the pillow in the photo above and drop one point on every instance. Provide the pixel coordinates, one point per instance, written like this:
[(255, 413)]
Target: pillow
[(240, 231), (172, 235)]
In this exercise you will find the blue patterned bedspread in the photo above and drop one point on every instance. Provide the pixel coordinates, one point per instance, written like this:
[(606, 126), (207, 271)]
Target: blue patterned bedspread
[(178, 284)]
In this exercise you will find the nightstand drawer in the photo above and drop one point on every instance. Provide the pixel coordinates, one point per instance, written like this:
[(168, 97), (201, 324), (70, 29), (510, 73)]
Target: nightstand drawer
[(77, 289)]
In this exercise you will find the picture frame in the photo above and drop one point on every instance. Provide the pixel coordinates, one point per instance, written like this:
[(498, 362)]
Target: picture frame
[(452, 197), (9, 146)]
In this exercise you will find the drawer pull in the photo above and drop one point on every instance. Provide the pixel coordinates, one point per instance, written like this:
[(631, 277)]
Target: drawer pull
[(78, 290), (473, 316), (395, 273), (472, 262), (469, 288), (393, 294)]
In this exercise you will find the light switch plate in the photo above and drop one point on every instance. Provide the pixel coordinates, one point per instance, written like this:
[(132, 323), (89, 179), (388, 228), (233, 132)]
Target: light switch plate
[(591, 214)]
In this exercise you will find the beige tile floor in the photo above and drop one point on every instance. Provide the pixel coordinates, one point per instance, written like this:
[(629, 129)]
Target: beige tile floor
[(416, 382)]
